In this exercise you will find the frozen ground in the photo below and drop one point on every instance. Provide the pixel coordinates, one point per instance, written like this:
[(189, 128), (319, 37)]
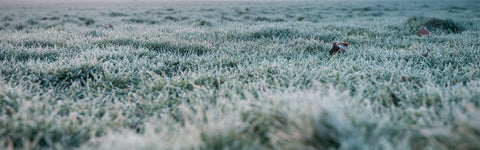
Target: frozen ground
[(240, 75)]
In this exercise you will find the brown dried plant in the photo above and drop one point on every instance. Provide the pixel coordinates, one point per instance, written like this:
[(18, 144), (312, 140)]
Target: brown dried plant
[(423, 31), (338, 47)]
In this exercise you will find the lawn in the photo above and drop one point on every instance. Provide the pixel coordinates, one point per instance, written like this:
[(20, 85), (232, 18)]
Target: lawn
[(240, 75)]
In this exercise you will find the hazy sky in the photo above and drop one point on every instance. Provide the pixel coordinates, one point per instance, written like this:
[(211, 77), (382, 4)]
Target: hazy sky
[(80, 1), (167, 0), (24, 1), (34, 2), (7, 3)]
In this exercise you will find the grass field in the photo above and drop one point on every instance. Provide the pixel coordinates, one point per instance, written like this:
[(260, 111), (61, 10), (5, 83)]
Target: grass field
[(240, 75)]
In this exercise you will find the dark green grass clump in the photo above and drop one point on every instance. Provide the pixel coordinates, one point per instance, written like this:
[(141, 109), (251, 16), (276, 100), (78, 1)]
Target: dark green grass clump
[(164, 46), (202, 23), (64, 77), (29, 54), (273, 33), (86, 21), (117, 14), (39, 43), (435, 24), (264, 33)]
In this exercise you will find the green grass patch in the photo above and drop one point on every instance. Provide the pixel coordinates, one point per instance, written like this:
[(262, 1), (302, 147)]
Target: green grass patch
[(164, 46), (435, 24), (236, 75)]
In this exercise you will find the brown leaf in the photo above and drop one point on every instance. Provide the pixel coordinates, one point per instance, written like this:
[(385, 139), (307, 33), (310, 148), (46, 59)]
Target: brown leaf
[(425, 54), (9, 143), (395, 100), (338, 47), (422, 31), (402, 79), (109, 26)]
